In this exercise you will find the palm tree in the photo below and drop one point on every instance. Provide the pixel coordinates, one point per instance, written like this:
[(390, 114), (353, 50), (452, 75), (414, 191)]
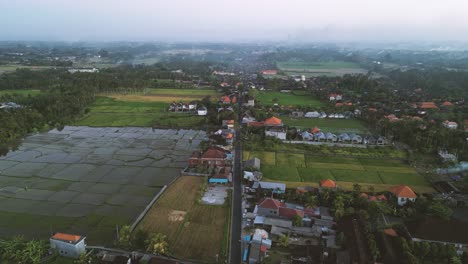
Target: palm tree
[(157, 244)]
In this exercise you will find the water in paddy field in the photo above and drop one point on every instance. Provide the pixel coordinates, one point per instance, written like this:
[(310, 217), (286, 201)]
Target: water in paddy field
[(83, 171)]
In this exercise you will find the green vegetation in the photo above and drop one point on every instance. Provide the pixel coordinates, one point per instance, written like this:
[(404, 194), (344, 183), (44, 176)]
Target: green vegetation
[(25, 92), (328, 124), (310, 168), (112, 112), (316, 65), (289, 99)]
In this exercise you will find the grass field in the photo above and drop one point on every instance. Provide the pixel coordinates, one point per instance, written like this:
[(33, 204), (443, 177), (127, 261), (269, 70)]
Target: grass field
[(112, 112), (288, 99), (10, 68), (21, 92), (327, 124), (296, 169), (166, 95), (199, 234), (311, 69)]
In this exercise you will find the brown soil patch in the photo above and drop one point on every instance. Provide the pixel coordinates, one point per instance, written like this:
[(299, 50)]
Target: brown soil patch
[(176, 216)]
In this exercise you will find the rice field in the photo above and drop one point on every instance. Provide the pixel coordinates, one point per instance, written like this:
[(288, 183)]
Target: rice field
[(194, 231), (308, 169), (110, 112), (288, 99), (319, 68), (86, 180)]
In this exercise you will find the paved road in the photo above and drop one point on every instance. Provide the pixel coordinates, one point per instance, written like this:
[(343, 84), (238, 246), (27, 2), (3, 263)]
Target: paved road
[(236, 218)]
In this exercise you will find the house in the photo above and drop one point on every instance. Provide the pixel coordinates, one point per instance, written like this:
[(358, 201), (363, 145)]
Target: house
[(192, 105), (445, 156), (213, 157), (331, 137), (344, 138), (315, 130), (273, 207), (225, 99), (314, 114), (247, 118), (278, 132), (355, 139), (202, 111), (250, 102), (87, 70), (252, 163), (273, 122), (335, 97), (229, 124), (373, 198), (447, 104), (370, 140), (253, 176), (428, 105), (229, 138), (9, 105), (269, 72), (224, 84), (306, 135), (223, 176), (297, 114), (68, 245), (320, 136), (273, 186), (329, 184), (403, 194), (381, 140), (450, 124), (223, 73)]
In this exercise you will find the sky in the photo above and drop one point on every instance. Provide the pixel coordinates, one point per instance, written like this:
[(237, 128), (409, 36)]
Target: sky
[(235, 20)]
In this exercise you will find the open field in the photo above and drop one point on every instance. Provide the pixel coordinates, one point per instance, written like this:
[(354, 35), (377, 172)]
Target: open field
[(328, 68), (10, 68), (288, 99), (166, 95), (296, 169), (21, 92), (116, 113), (328, 124), (87, 180), (194, 231)]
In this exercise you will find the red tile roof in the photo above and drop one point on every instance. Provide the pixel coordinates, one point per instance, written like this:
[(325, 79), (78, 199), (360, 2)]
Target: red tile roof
[(229, 121), (270, 203), (428, 105), (255, 124), (381, 197), (447, 103), (226, 99), (403, 191), (390, 232), (327, 183), (229, 136), (214, 153), (339, 104), (290, 212), (269, 72), (315, 130), (273, 121), (66, 237)]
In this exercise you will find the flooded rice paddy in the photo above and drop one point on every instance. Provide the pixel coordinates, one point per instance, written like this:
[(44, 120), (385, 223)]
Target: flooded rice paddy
[(88, 180)]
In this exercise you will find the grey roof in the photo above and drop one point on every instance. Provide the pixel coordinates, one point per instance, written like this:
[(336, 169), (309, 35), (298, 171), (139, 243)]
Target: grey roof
[(270, 185)]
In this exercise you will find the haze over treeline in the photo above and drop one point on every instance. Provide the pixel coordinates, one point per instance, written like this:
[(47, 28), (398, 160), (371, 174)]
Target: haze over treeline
[(240, 20)]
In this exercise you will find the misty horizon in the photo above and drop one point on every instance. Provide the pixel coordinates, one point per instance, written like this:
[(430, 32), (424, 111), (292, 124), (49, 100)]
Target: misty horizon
[(235, 21)]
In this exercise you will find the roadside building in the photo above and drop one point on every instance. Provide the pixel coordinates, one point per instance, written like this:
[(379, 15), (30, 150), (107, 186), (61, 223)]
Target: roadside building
[(68, 245), (403, 194)]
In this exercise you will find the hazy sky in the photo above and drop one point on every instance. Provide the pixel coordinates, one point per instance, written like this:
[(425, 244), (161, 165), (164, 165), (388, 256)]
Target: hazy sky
[(234, 20)]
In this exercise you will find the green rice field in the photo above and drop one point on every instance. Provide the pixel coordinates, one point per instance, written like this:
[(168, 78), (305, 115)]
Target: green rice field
[(116, 113), (319, 68), (299, 169), (288, 99), (327, 124)]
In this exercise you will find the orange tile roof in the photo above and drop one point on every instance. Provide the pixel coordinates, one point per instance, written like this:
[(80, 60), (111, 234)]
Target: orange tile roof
[(447, 103), (255, 124), (270, 203), (315, 130), (339, 104), (327, 183), (230, 121), (403, 191), (226, 99), (381, 197), (229, 136), (273, 121), (390, 232), (364, 195), (272, 72), (66, 237), (428, 105)]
